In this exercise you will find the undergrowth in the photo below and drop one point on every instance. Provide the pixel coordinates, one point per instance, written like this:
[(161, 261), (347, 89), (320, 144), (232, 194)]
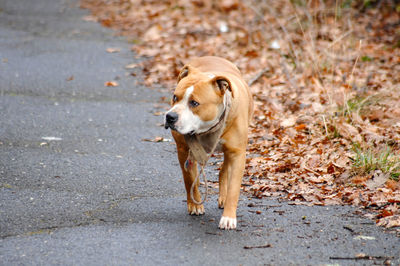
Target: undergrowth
[(369, 160)]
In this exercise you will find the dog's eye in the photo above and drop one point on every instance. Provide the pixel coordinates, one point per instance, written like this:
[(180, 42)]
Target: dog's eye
[(193, 103), (174, 99)]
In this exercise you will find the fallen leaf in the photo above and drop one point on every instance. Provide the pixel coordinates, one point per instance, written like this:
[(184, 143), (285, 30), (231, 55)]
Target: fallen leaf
[(153, 33), (393, 185), (361, 255), (316, 99), (390, 221), (157, 139), (52, 138), (291, 121), (348, 131), (90, 18), (361, 237), (377, 180), (111, 84), (113, 50), (130, 66)]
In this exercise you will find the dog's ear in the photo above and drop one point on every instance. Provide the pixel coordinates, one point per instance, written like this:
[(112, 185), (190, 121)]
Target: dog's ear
[(223, 84), (184, 72)]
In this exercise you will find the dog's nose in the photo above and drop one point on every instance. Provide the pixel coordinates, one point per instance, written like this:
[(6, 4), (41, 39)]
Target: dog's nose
[(170, 119)]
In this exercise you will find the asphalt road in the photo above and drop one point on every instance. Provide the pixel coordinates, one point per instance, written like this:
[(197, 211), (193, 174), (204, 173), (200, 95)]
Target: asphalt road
[(79, 186)]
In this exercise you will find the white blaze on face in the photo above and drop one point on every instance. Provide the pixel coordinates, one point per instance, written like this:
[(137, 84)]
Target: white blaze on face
[(187, 121)]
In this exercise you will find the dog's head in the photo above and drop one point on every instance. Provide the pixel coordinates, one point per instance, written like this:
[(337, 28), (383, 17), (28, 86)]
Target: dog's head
[(198, 101)]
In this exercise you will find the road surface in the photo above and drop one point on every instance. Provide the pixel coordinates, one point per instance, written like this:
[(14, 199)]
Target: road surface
[(79, 186)]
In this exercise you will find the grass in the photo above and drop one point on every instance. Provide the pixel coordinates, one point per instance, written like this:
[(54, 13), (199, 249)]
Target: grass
[(369, 160), (357, 105), (358, 96)]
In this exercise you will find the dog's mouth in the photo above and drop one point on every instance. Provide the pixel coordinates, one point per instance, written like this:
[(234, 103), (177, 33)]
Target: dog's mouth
[(172, 127), (166, 126)]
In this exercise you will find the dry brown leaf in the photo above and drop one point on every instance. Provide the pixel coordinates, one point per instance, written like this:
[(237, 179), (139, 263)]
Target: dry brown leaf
[(389, 221), (111, 84), (130, 66), (289, 122), (153, 33), (157, 139), (90, 18), (306, 117), (348, 131), (113, 50), (377, 180), (393, 185)]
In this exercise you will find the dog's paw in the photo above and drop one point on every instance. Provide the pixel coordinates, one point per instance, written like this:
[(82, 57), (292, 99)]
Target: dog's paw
[(227, 223), (195, 209), (221, 202)]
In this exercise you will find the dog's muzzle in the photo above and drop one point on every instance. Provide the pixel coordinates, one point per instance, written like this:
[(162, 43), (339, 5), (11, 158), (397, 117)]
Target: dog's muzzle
[(170, 120)]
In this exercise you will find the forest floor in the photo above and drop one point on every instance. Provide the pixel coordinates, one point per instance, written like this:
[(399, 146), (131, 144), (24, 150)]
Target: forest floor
[(325, 79)]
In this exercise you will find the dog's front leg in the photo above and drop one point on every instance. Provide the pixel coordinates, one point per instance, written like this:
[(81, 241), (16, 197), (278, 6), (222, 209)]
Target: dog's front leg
[(234, 164), (189, 172), (223, 184)]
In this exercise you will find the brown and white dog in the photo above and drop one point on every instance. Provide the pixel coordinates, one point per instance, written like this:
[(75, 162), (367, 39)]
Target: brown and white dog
[(211, 93)]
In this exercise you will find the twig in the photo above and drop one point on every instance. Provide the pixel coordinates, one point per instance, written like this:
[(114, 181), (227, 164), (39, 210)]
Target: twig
[(346, 102), (264, 246), (262, 205), (326, 127), (215, 234), (310, 170), (277, 35), (355, 63), (340, 38), (286, 72), (258, 75), (366, 257), (313, 56), (256, 212), (348, 228), (363, 102)]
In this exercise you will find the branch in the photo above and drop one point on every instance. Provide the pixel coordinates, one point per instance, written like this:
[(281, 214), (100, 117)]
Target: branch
[(258, 75)]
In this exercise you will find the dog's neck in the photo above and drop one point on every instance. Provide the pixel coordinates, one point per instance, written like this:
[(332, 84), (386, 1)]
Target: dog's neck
[(202, 145)]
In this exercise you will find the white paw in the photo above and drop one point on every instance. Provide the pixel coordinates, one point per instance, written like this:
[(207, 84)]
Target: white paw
[(227, 223)]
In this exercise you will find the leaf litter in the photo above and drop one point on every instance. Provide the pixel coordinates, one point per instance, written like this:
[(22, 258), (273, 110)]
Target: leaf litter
[(325, 77)]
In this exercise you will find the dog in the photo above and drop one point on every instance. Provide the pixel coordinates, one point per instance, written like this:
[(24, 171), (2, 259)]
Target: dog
[(211, 105)]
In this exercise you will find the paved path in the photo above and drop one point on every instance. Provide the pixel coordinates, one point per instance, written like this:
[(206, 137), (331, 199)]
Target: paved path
[(78, 186)]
